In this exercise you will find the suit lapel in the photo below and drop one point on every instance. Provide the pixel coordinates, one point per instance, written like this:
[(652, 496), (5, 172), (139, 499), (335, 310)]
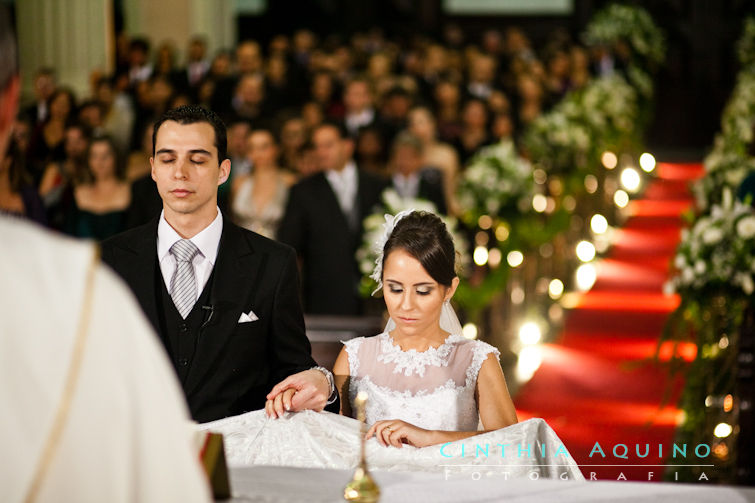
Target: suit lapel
[(234, 288)]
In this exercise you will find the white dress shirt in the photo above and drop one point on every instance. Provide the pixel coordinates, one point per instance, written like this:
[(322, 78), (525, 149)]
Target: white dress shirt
[(207, 240), (358, 120), (406, 186), (344, 184)]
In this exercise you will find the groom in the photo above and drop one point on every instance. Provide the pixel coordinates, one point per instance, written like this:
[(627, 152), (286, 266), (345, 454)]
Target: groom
[(224, 300)]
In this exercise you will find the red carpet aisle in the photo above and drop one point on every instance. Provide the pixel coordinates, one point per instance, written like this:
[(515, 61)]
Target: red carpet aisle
[(592, 386)]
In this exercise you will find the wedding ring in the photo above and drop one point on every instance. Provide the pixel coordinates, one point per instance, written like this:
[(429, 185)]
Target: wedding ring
[(388, 429)]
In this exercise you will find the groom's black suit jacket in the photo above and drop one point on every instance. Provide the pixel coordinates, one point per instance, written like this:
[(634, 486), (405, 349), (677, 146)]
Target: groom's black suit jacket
[(234, 365)]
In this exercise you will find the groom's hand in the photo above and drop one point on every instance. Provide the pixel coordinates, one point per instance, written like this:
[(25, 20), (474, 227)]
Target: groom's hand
[(306, 390)]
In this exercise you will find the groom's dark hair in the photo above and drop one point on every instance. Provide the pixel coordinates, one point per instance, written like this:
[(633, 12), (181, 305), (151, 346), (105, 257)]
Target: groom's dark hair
[(425, 237), (192, 114)]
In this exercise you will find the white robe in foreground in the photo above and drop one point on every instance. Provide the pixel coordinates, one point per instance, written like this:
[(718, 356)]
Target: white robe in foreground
[(127, 437)]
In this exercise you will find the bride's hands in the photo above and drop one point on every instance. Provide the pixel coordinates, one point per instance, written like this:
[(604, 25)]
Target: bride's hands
[(396, 432)]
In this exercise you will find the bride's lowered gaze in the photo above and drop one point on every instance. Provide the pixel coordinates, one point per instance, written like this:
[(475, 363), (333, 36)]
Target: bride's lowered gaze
[(427, 384)]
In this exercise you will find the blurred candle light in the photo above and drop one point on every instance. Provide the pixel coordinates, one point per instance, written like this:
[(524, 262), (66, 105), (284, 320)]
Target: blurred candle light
[(586, 275), (728, 403), (529, 333), (469, 331), (598, 224), (555, 289), (485, 222), (722, 430), (480, 255), (528, 362), (609, 159), (621, 198), (539, 203), (591, 184), (630, 179), (494, 257), (647, 162), (517, 295), (515, 258), (501, 232), (585, 251)]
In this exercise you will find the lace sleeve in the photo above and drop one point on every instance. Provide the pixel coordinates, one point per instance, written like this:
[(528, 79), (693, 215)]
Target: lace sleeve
[(480, 352), (352, 349)]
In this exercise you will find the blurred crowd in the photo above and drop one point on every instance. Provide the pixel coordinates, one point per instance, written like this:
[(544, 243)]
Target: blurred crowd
[(414, 109)]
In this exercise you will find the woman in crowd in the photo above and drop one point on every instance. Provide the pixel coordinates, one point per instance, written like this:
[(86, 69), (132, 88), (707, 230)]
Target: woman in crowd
[(56, 187), (259, 198), (102, 201), (47, 141), (17, 194), (436, 154), (474, 132)]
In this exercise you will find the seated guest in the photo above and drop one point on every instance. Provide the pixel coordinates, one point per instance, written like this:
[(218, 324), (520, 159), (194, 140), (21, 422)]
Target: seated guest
[(323, 222), (44, 86), (474, 133), (57, 185), (258, 199), (358, 102), (18, 197), (409, 179), (145, 201), (101, 202), (47, 141), (293, 136), (436, 154), (371, 152)]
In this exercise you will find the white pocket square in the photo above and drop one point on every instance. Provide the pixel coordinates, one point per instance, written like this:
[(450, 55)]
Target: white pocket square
[(248, 317)]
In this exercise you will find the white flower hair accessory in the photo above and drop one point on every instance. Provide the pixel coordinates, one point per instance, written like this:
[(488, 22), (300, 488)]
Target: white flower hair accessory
[(388, 226)]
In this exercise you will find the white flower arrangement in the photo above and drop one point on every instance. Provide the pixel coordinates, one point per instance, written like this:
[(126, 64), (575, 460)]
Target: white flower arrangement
[(726, 166), (631, 25), (746, 43), (719, 250), (496, 179), (583, 122), (374, 230)]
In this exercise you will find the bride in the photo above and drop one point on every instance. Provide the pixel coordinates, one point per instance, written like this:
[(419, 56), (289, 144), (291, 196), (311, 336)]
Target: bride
[(426, 383), (429, 388)]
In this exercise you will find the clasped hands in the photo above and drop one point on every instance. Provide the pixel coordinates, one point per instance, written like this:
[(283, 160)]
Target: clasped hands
[(306, 390)]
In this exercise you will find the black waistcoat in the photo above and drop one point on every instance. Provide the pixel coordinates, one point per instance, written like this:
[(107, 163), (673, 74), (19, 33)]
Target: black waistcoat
[(180, 335)]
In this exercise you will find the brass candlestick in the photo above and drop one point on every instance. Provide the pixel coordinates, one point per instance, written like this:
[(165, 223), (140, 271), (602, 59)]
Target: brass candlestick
[(362, 488)]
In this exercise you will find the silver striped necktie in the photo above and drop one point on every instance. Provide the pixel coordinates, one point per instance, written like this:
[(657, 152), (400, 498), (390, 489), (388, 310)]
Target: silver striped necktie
[(183, 285)]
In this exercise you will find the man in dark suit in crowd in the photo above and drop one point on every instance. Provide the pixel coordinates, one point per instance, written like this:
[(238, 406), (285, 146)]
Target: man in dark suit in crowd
[(223, 300), (323, 222), (409, 179)]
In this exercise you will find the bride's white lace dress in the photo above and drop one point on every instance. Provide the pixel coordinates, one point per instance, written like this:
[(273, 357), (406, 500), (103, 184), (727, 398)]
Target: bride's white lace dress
[(433, 389)]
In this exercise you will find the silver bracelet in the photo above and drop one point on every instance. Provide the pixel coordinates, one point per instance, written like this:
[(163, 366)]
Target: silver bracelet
[(329, 376)]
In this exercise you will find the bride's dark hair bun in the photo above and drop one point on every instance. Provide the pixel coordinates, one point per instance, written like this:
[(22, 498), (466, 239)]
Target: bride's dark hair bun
[(425, 237)]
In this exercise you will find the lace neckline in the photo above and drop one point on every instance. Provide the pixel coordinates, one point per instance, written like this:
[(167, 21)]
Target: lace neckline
[(412, 361)]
